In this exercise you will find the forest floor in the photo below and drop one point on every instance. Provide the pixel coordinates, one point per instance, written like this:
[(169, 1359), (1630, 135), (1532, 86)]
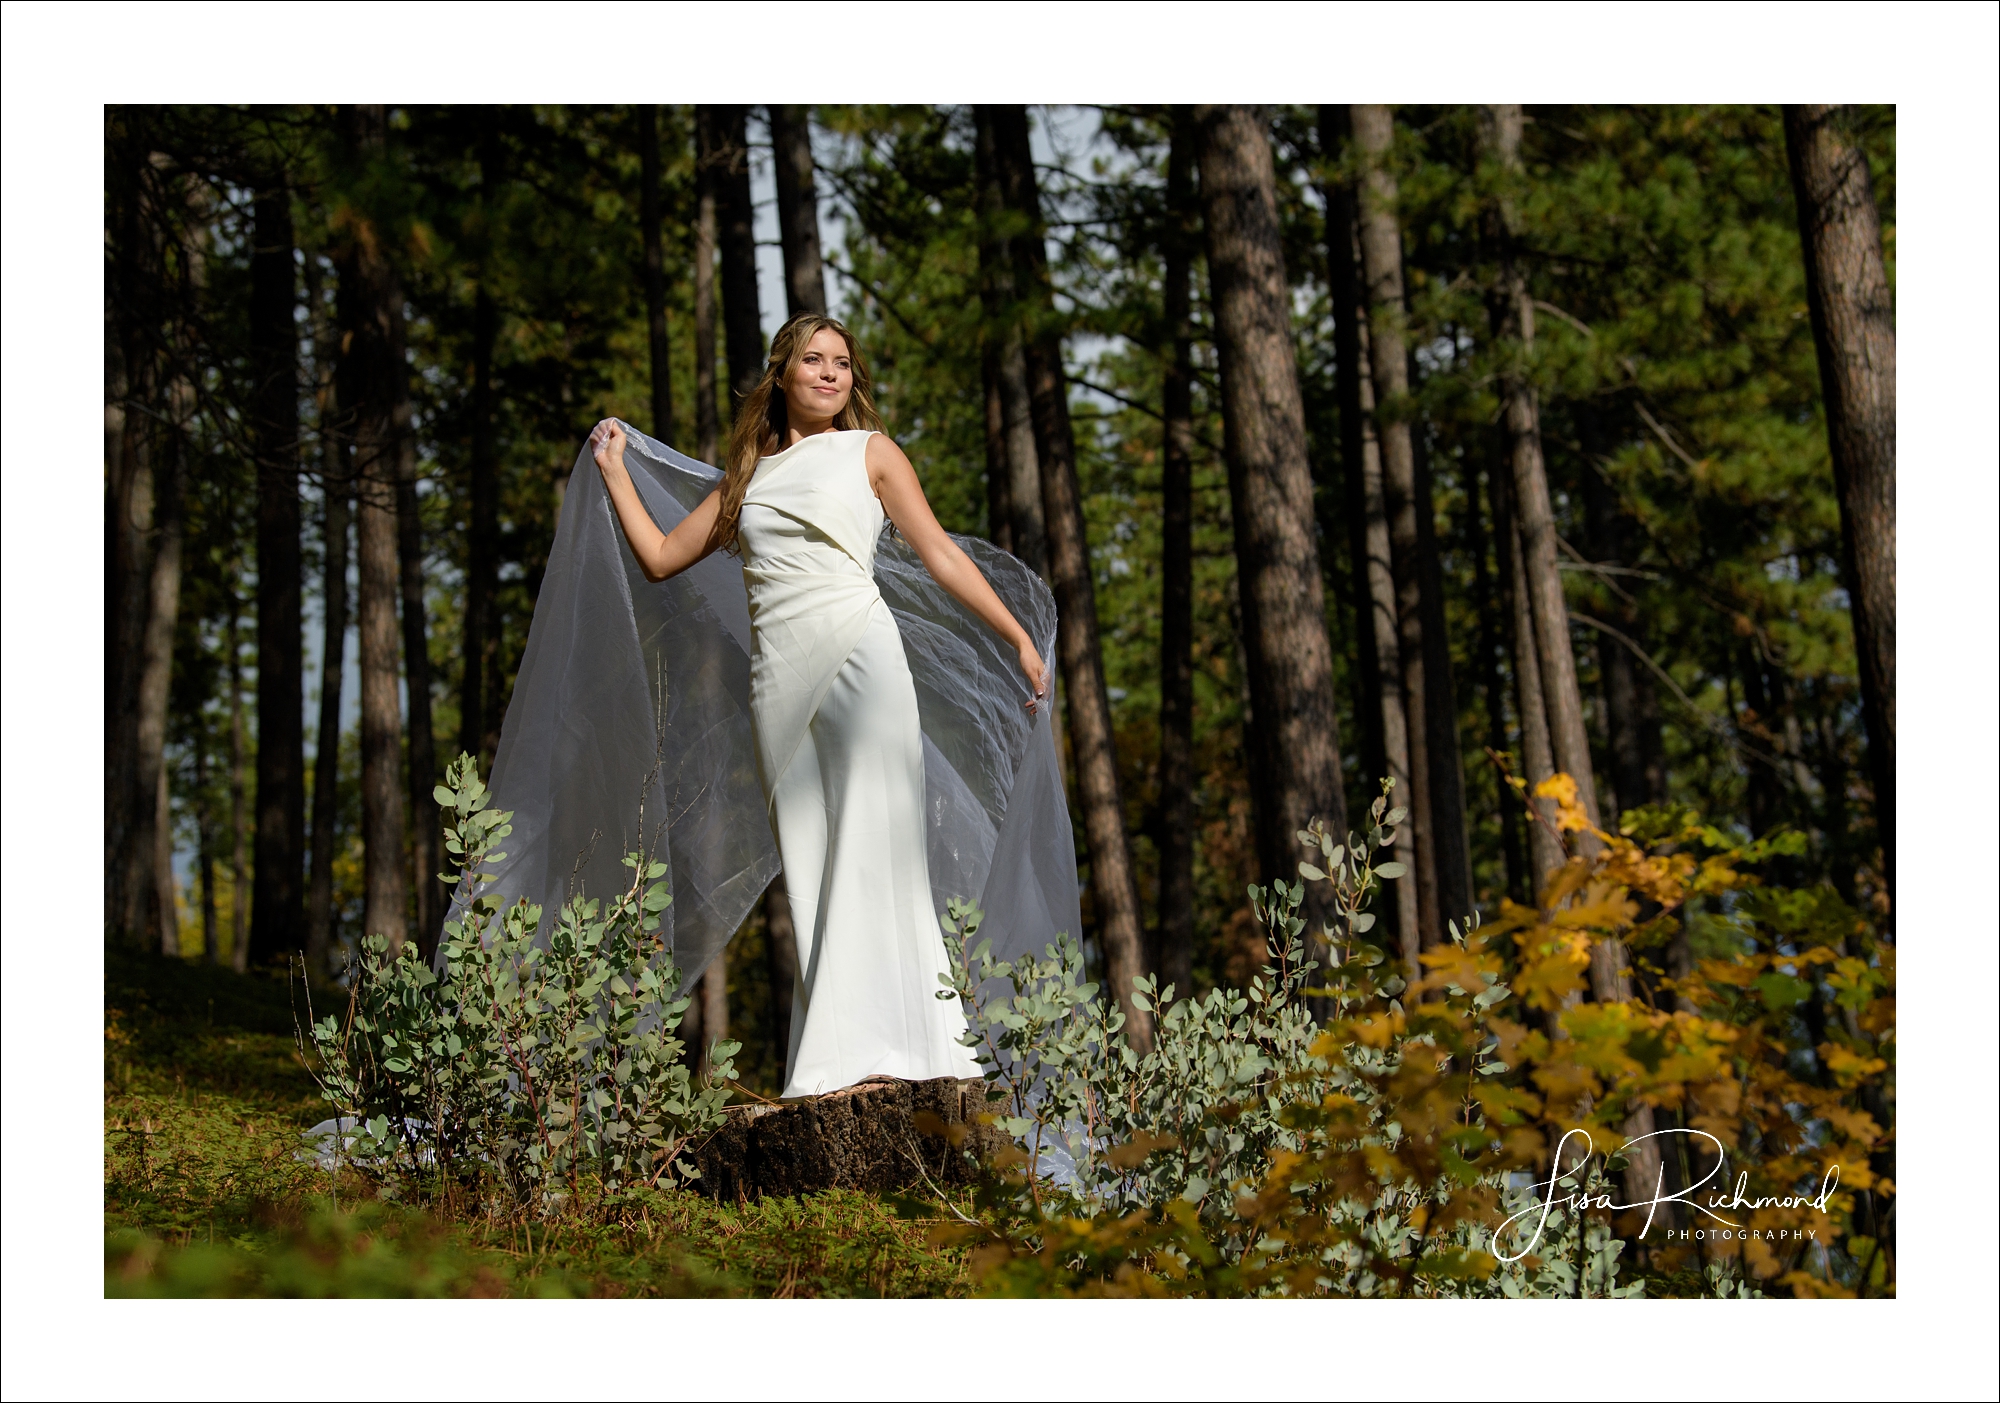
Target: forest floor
[(206, 1193)]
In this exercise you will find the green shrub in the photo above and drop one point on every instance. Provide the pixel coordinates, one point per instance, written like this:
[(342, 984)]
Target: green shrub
[(1393, 1149), (545, 1065)]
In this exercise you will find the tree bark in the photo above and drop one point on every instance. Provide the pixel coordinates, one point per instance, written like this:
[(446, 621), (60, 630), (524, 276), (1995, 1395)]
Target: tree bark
[(1514, 330), (479, 710), (1854, 331), (1295, 747), (1545, 852), (798, 209), (164, 889), (371, 311), (1562, 697), (999, 480), (204, 827), (729, 168), (163, 599), (1356, 436), (1492, 695), (240, 892), (130, 415), (1441, 740), (1114, 887), (743, 330), (155, 686), (656, 272), (326, 759), (422, 771), (1176, 779), (281, 763), (707, 424), (714, 996), (336, 506), (1380, 661), (1031, 535), (1000, 203), (1382, 269)]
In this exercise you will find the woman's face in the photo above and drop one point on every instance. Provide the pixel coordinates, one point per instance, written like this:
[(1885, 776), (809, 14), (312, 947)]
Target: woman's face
[(822, 382)]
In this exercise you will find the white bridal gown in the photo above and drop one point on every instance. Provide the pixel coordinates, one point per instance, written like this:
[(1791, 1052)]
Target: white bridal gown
[(654, 717), (841, 756)]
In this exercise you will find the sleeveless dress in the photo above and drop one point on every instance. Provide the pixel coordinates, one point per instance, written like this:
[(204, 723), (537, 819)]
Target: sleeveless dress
[(840, 754)]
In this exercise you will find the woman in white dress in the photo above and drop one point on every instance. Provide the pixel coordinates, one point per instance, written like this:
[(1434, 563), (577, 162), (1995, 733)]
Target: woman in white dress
[(809, 479)]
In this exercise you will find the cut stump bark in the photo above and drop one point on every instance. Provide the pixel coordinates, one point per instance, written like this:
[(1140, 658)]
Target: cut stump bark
[(877, 1136)]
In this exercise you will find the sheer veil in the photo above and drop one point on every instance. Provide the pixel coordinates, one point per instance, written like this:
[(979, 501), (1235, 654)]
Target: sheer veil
[(630, 727)]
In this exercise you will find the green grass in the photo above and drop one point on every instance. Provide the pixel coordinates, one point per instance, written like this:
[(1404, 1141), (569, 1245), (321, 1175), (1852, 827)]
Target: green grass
[(205, 1094)]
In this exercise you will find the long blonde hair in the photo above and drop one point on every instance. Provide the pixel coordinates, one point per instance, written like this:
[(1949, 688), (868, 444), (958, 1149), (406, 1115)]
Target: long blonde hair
[(760, 424)]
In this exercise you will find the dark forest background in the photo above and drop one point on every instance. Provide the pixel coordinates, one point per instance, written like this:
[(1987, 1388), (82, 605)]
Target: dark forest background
[(1447, 443)]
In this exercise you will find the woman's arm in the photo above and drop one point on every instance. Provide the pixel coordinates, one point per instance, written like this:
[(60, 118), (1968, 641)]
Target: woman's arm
[(895, 482), (660, 554)]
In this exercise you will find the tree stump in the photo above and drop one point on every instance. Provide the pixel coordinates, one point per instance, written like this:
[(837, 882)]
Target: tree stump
[(879, 1136)]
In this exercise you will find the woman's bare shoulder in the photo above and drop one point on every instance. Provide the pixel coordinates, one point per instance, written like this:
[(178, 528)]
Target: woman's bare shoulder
[(885, 455)]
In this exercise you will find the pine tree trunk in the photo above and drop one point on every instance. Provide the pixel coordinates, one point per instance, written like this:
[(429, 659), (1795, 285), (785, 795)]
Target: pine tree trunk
[(707, 423), (130, 378), (1379, 661), (1562, 697), (1114, 887), (1176, 779), (1356, 435), (1514, 330), (1854, 330), (798, 209), (478, 699), (1545, 852), (157, 917), (1491, 692), (1441, 740), (1031, 534), (422, 771), (163, 598), (204, 828), (1405, 919), (729, 168), (371, 313), (656, 272), (1004, 298), (336, 505), (1382, 271), (326, 759), (478, 704), (714, 995), (164, 904), (240, 896), (1295, 747), (736, 237), (281, 762), (999, 480)]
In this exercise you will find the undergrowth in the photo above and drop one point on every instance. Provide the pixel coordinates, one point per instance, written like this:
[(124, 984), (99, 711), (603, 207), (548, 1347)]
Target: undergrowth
[(205, 1193)]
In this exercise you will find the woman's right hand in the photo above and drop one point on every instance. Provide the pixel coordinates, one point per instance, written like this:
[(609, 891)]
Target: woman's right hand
[(607, 445)]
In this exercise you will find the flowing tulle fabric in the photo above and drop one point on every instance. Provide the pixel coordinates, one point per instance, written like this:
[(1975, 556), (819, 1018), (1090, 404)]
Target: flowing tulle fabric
[(630, 727)]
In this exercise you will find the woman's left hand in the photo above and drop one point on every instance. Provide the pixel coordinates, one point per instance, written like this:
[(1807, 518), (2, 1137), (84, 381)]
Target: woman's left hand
[(1037, 672)]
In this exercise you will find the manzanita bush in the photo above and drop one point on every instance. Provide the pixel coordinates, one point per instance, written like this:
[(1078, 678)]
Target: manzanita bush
[(545, 1063)]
